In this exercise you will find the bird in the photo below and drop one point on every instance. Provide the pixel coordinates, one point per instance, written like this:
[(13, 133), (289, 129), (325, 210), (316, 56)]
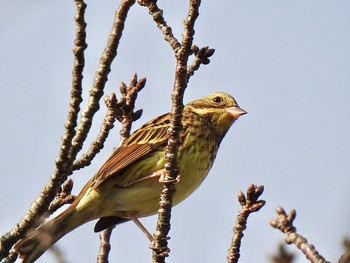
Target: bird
[(127, 186)]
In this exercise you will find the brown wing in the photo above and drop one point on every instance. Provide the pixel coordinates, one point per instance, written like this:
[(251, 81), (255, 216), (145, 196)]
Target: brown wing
[(144, 140)]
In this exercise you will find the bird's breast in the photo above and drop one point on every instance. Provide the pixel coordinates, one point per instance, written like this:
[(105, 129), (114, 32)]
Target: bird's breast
[(196, 156)]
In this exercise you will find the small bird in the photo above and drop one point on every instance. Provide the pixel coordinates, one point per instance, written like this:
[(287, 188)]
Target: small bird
[(128, 187)]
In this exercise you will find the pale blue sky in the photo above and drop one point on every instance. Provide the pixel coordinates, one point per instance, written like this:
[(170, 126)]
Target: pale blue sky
[(286, 62)]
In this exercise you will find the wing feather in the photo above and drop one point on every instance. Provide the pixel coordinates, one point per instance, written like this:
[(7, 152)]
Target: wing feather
[(144, 140)]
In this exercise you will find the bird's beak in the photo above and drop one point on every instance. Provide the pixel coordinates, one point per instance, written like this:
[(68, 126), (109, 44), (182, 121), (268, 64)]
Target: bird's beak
[(236, 112)]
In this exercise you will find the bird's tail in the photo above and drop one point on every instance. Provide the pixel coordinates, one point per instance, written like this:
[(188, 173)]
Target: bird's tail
[(41, 239), (36, 243)]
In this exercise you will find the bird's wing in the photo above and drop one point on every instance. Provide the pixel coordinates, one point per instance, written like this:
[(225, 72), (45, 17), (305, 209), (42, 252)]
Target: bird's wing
[(144, 140)]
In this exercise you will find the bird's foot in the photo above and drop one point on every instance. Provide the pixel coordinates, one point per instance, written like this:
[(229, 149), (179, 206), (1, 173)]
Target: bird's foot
[(163, 179)]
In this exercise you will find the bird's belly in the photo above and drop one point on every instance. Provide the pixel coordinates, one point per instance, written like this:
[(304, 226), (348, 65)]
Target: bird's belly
[(143, 197)]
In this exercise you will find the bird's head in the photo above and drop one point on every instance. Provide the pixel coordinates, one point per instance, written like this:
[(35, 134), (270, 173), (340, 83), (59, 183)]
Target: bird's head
[(220, 109)]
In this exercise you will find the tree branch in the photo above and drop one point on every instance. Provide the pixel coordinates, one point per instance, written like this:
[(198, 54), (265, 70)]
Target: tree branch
[(158, 17), (105, 246), (284, 222), (63, 197), (102, 72), (130, 95), (160, 243), (72, 141), (34, 215), (250, 204), (126, 116), (113, 108), (201, 57)]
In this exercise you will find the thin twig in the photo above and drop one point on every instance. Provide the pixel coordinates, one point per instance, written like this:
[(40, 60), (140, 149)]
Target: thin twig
[(201, 57), (113, 108), (102, 72), (158, 17), (34, 215), (63, 197), (284, 222), (129, 95), (79, 63), (160, 243), (250, 204)]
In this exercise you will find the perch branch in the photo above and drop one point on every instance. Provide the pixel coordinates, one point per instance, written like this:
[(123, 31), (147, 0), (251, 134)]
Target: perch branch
[(105, 246), (250, 204), (160, 243), (284, 222)]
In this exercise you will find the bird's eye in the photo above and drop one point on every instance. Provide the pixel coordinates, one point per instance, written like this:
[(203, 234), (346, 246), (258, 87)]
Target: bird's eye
[(217, 99)]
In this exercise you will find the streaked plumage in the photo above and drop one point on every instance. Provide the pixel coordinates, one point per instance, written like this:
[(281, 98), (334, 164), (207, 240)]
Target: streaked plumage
[(128, 182)]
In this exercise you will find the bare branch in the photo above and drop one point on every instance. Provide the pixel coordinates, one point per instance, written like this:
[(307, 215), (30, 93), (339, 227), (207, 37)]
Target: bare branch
[(284, 222), (34, 216), (160, 243), (113, 108), (250, 204), (102, 72), (201, 57), (129, 95), (105, 246), (64, 196), (79, 63), (157, 15), (73, 139), (126, 115)]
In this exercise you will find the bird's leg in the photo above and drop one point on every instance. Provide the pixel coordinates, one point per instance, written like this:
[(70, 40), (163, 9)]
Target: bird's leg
[(133, 217)]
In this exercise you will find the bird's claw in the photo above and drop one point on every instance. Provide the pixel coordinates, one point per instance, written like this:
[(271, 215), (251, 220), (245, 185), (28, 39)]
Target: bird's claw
[(162, 251), (163, 179)]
